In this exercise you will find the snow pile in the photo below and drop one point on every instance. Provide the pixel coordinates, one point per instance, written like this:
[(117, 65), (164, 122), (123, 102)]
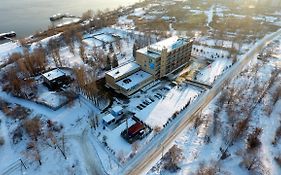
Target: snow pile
[(139, 12)]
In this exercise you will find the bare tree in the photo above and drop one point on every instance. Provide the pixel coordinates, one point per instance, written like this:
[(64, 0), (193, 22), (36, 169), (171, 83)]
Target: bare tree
[(82, 52), (114, 61), (33, 127), (172, 158), (87, 15)]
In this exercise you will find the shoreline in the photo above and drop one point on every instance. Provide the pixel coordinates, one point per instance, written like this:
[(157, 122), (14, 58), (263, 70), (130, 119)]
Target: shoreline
[(41, 25)]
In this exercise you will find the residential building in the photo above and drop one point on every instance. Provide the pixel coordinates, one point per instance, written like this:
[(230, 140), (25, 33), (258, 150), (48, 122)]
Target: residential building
[(127, 79), (55, 78), (152, 62), (164, 57)]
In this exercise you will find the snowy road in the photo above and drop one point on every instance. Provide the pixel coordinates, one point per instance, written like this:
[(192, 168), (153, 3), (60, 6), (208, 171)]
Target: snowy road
[(143, 162), (90, 156)]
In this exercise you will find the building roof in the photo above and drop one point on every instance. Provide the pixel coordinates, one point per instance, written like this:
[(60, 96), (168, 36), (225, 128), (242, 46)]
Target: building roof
[(123, 70), (135, 128), (133, 80), (170, 44), (117, 109), (54, 74), (108, 118)]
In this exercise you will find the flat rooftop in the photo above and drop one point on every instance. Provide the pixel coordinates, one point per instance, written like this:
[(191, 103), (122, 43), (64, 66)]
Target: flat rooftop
[(117, 109), (133, 80), (170, 44), (123, 70), (53, 74), (108, 118)]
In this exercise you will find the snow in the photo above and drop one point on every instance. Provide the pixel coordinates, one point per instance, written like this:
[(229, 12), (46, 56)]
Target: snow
[(196, 148), (210, 15), (67, 21), (92, 42), (7, 49), (53, 74), (76, 118), (115, 141), (170, 44), (108, 118), (105, 38), (196, 12), (138, 12), (44, 42), (209, 52), (52, 98), (123, 70), (133, 80), (124, 20), (209, 74), (265, 18), (174, 100), (221, 43), (69, 117), (117, 109)]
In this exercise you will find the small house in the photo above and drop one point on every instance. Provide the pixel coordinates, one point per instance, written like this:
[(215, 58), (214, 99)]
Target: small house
[(135, 129), (108, 119), (55, 78), (117, 111)]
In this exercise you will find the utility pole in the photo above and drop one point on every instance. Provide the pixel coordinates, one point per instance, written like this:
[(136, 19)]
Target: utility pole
[(110, 162), (127, 126), (162, 151)]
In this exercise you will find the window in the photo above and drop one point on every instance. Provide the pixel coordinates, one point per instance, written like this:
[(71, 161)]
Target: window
[(152, 66)]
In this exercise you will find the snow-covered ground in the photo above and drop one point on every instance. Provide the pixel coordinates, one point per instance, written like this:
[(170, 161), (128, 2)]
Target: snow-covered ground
[(209, 52), (202, 143), (172, 101), (197, 143), (74, 119), (210, 73), (8, 48)]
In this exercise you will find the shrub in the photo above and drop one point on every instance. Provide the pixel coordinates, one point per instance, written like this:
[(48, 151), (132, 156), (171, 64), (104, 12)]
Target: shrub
[(157, 129), (32, 127), (253, 140), (277, 135), (17, 135), (87, 15), (239, 129), (278, 160), (172, 158), (206, 169), (2, 141)]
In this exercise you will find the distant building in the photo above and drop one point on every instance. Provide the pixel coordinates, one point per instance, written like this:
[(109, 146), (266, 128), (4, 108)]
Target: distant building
[(164, 57), (55, 78), (127, 79)]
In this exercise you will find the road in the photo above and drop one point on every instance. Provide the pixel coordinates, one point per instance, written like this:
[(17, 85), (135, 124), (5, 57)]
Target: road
[(89, 154), (143, 162)]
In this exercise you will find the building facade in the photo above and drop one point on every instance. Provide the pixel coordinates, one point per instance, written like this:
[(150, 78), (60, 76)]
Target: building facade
[(127, 79), (152, 62), (165, 57)]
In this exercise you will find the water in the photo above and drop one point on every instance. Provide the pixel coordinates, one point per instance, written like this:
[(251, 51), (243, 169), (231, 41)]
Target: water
[(28, 16)]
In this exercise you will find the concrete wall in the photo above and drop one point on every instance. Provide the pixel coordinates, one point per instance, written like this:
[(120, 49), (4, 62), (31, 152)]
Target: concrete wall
[(143, 61)]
